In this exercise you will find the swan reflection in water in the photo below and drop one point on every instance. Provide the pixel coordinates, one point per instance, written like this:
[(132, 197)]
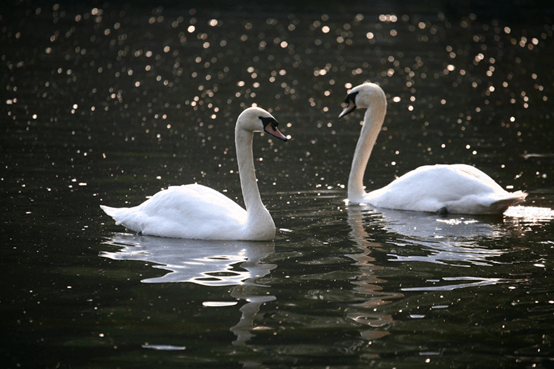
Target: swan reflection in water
[(452, 240), (459, 241), (208, 263), (368, 284)]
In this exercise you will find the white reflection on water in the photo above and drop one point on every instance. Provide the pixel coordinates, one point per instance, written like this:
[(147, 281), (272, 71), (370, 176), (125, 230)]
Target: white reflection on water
[(529, 215), (368, 285), (474, 282), (454, 240), (208, 263), (164, 347), (458, 240)]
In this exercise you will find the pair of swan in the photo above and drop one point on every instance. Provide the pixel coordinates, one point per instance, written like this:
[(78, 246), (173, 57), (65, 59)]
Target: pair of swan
[(199, 212)]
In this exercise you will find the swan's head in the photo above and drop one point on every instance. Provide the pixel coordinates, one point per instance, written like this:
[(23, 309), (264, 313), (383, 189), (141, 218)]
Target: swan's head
[(363, 96), (257, 119)]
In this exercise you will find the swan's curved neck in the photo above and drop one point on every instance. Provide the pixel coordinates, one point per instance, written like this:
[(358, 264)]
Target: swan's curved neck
[(245, 159), (373, 121)]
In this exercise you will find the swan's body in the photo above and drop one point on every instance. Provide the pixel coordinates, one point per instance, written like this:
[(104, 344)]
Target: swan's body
[(199, 212), (456, 188)]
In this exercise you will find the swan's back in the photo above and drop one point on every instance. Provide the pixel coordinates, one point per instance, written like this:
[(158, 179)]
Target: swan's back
[(456, 188), (190, 211)]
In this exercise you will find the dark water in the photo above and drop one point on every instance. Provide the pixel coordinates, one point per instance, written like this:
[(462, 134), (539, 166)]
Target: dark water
[(108, 103)]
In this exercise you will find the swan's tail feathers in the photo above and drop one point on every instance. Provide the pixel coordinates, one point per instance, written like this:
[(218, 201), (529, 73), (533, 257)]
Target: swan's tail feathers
[(500, 206), (111, 212)]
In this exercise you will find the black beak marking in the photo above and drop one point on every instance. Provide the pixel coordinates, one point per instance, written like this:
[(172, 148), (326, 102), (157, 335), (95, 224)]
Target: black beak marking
[(269, 120), (351, 97), (350, 100)]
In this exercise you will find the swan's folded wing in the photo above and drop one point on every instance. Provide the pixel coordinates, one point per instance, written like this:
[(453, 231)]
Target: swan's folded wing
[(192, 202)]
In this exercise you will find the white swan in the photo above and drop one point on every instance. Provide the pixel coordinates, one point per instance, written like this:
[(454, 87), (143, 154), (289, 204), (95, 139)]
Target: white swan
[(199, 212), (456, 188)]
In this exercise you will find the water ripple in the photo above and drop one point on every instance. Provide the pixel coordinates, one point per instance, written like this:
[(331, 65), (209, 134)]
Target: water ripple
[(474, 282)]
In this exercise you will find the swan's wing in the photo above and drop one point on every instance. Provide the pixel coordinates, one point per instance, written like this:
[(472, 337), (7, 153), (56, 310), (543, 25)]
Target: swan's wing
[(191, 211), (192, 201), (206, 194), (459, 188)]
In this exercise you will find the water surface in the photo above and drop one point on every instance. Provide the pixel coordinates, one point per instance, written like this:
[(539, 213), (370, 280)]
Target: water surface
[(109, 103)]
